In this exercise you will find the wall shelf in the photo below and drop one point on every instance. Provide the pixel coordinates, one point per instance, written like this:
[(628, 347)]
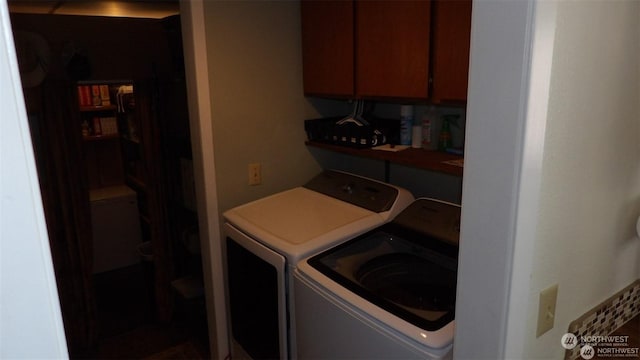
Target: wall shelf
[(100, 137), (418, 158), (97, 108), (132, 140), (136, 183)]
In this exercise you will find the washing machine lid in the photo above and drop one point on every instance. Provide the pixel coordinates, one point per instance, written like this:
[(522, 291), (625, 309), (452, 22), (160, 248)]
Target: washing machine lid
[(404, 271), (414, 282), (300, 221)]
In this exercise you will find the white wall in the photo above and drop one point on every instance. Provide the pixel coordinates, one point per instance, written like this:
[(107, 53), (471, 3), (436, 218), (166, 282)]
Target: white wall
[(257, 101), (590, 190), (30, 319), (567, 75)]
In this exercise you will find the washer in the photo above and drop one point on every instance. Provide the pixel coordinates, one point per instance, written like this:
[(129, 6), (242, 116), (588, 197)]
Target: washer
[(386, 294), (266, 238)]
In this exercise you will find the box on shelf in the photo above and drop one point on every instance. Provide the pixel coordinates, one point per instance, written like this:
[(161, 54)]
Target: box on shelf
[(333, 130), (104, 95), (109, 125), (94, 95), (84, 95), (97, 129)]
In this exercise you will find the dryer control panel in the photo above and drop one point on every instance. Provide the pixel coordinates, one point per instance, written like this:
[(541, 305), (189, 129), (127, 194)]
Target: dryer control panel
[(432, 217), (366, 193)]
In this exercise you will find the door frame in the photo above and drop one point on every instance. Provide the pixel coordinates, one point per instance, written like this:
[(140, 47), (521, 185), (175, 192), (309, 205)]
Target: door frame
[(197, 77)]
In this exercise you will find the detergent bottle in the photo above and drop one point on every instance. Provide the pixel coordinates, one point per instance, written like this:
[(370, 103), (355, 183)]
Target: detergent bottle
[(428, 129), (444, 140)]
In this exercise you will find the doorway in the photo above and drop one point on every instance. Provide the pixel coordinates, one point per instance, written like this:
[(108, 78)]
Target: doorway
[(148, 52)]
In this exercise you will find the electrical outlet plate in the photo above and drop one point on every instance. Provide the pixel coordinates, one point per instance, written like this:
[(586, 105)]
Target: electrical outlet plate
[(547, 309), (255, 174)]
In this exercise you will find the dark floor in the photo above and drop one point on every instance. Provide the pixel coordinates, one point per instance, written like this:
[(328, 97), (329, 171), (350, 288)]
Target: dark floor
[(128, 329)]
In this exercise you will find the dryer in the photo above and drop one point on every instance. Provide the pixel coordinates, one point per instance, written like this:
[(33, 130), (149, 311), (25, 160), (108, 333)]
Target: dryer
[(387, 294), (266, 238)]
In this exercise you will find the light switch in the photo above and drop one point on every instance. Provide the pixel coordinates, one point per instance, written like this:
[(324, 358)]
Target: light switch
[(547, 309)]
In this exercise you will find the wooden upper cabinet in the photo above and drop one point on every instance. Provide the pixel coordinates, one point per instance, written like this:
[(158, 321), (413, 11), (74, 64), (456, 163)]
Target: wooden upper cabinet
[(386, 49), (327, 47), (392, 49), (450, 50)]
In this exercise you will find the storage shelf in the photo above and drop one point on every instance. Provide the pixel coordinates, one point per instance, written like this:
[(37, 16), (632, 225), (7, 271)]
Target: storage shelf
[(97, 108), (422, 159), (145, 219), (100, 137), (136, 183), (131, 140)]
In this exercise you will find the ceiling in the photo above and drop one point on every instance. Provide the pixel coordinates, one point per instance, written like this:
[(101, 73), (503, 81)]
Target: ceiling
[(157, 9)]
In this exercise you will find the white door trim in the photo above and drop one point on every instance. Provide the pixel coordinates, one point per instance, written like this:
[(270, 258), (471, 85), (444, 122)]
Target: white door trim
[(30, 318), (503, 153), (198, 90)]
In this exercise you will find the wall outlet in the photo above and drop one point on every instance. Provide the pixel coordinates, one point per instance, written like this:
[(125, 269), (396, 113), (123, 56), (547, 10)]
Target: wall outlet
[(547, 309), (255, 174)]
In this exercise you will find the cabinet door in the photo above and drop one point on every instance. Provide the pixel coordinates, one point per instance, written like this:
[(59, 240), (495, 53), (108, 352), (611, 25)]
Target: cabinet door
[(452, 31), (392, 49), (327, 47)]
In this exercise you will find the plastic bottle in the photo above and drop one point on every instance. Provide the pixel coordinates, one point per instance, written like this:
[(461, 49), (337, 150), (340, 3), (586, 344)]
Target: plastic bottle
[(428, 123), (444, 140), (85, 128), (416, 136), (406, 123)]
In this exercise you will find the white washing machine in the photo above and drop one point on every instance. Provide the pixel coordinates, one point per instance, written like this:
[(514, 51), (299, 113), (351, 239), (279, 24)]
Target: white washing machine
[(386, 294), (266, 238)]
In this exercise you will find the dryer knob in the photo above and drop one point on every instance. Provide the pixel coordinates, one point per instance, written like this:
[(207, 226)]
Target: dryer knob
[(348, 188)]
